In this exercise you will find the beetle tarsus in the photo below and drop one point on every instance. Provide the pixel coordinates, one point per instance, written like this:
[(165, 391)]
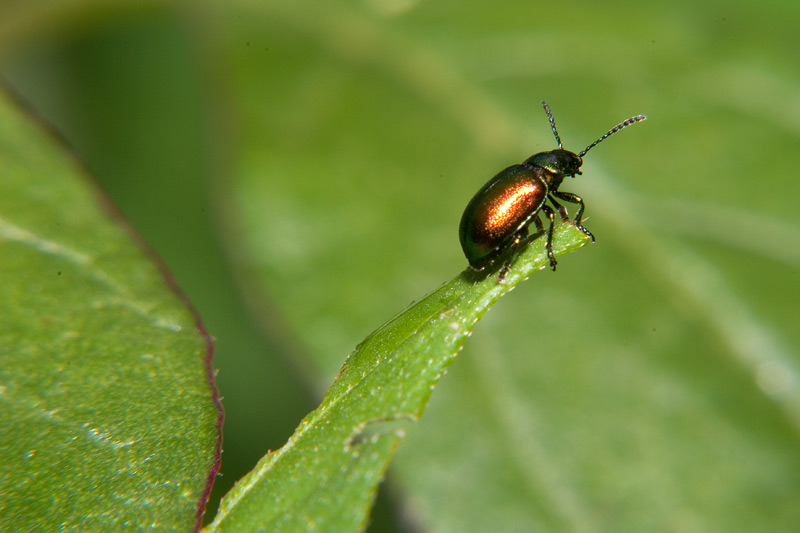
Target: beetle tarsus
[(501, 276)]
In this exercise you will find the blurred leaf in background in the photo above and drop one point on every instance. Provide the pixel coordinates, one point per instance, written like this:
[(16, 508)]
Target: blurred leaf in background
[(109, 414), (318, 156)]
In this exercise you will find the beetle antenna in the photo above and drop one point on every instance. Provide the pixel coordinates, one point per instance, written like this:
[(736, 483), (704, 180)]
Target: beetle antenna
[(624, 124), (552, 121)]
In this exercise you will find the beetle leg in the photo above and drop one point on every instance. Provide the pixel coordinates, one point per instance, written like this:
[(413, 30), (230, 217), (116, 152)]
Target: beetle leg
[(561, 209), (549, 246), (519, 236), (539, 225), (501, 276), (575, 199)]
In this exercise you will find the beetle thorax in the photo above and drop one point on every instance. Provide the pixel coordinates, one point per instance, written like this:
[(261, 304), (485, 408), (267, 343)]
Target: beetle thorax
[(559, 163)]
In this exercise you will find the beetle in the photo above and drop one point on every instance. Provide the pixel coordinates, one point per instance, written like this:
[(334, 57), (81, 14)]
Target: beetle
[(496, 220)]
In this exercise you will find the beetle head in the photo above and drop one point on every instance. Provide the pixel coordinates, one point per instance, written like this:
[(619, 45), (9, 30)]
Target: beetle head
[(558, 161)]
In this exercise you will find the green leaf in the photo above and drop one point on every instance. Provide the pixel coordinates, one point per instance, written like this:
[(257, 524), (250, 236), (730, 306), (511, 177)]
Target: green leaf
[(328, 471), (108, 412)]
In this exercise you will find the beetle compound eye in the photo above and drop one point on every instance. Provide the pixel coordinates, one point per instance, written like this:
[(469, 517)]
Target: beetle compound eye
[(496, 220)]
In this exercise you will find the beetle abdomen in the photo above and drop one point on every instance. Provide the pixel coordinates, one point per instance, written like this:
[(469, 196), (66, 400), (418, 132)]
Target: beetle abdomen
[(498, 210)]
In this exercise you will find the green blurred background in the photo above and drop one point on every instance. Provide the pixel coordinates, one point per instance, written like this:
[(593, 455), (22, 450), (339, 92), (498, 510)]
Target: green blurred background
[(302, 168)]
